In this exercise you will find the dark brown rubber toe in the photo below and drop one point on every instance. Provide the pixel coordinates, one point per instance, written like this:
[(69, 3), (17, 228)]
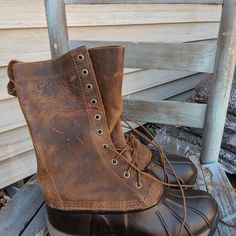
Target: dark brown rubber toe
[(164, 219), (184, 168)]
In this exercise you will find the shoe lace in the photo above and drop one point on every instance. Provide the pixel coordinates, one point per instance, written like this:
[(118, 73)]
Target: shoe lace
[(130, 147)]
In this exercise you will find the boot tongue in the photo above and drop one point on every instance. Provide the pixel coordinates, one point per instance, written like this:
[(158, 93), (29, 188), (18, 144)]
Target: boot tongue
[(108, 64)]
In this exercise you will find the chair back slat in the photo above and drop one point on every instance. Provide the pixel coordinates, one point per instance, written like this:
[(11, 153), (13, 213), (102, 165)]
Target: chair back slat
[(180, 56), (173, 113)]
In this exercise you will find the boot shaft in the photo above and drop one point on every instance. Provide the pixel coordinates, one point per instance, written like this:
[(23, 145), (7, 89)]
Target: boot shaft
[(65, 114)]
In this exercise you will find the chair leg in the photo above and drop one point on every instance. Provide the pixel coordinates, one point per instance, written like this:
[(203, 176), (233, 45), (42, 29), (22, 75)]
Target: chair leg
[(223, 78), (214, 123), (57, 27)]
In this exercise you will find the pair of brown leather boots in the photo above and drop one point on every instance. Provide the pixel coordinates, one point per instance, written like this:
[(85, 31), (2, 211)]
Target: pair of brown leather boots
[(97, 181)]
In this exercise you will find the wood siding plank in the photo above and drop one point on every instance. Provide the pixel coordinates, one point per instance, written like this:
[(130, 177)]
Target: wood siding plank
[(33, 16), (16, 168), (12, 115), (143, 1), (14, 142), (3, 83), (150, 14)]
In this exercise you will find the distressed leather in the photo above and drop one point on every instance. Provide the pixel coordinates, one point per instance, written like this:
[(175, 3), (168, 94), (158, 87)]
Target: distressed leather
[(108, 64), (74, 170), (109, 78)]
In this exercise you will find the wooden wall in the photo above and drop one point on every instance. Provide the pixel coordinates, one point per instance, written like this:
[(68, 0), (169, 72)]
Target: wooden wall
[(23, 36)]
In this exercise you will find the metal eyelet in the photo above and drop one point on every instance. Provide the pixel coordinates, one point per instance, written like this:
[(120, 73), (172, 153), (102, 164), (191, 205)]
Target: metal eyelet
[(138, 185), (114, 162), (126, 174), (89, 86), (105, 146), (80, 57), (99, 131), (85, 72), (97, 117), (93, 101)]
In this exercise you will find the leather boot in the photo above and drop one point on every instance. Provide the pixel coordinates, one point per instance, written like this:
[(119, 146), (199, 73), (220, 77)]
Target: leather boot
[(109, 76), (86, 187)]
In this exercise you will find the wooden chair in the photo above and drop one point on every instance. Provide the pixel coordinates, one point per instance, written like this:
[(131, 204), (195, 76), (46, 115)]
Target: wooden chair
[(207, 58)]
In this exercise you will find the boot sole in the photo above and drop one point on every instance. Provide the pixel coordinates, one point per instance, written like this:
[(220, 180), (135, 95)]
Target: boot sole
[(54, 232)]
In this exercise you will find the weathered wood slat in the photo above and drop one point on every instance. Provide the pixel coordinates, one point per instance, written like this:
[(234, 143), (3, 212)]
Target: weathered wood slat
[(143, 1), (16, 168), (37, 227), (181, 97), (166, 112), (167, 90), (226, 200), (14, 142), (25, 48), (181, 56), (137, 81), (33, 15), (12, 116), (21, 209), (3, 83)]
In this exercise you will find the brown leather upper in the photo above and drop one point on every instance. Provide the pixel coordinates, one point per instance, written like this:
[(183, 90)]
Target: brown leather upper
[(75, 172), (108, 64)]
